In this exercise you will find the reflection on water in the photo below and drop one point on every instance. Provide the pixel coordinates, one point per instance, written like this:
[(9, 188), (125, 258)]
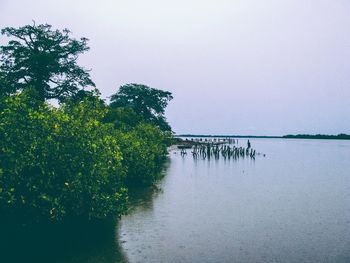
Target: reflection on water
[(291, 206), (74, 243)]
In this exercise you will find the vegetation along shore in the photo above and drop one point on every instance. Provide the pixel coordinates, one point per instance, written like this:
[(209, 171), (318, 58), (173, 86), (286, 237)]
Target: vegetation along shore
[(78, 160)]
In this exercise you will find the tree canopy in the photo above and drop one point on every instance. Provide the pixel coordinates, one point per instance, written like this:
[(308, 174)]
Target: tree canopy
[(44, 59), (150, 103)]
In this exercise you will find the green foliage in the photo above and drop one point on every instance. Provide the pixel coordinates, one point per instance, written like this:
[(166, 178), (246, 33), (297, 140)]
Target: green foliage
[(144, 146), (149, 103), (44, 59), (4, 91), (144, 150), (123, 118), (59, 163)]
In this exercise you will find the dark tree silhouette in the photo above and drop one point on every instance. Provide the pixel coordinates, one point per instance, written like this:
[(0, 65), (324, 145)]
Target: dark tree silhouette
[(4, 90), (43, 59), (148, 102)]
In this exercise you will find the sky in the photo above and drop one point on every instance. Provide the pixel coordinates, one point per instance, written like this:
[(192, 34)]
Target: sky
[(234, 66)]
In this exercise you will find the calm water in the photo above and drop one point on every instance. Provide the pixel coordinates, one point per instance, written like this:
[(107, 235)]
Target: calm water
[(291, 206)]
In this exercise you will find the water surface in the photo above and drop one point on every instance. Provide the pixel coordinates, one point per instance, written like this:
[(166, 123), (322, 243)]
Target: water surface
[(291, 206)]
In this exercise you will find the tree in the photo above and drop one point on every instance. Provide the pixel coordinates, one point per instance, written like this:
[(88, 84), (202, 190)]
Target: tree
[(148, 102), (43, 59)]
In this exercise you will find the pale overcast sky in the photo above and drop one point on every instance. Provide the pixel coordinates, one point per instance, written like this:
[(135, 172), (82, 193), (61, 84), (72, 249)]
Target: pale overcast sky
[(235, 67)]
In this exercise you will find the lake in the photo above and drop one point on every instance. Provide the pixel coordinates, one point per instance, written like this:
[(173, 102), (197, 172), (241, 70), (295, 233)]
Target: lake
[(293, 205)]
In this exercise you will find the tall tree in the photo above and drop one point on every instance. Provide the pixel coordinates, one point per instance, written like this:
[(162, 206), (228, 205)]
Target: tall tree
[(148, 102), (43, 59)]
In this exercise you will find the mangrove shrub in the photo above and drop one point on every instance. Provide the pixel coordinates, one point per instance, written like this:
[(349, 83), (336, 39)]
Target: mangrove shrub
[(58, 163), (144, 150)]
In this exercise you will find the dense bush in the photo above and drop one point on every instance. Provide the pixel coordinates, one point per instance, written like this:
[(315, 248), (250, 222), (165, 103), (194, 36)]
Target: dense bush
[(143, 144), (123, 118), (58, 163), (144, 150)]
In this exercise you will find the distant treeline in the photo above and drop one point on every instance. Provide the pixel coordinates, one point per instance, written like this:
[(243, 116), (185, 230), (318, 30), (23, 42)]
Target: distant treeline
[(340, 136), (225, 136)]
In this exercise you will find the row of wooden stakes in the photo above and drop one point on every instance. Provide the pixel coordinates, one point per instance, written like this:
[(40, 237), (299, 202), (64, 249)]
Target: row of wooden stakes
[(210, 150)]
